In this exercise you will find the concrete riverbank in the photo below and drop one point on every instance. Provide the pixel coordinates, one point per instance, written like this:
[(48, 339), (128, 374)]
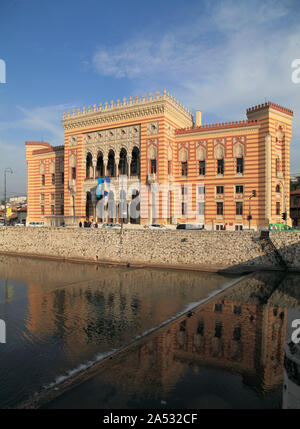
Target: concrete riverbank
[(242, 251)]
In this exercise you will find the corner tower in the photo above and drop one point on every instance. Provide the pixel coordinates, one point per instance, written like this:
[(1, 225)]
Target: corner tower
[(274, 157)]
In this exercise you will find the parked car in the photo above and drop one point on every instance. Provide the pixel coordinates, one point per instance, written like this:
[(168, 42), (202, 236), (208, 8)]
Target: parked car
[(1, 222), (189, 226), (19, 224), (111, 225), (36, 224), (156, 226), (116, 225), (281, 227)]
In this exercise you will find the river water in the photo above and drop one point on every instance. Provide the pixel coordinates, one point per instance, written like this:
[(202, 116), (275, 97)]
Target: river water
[(62, 318)]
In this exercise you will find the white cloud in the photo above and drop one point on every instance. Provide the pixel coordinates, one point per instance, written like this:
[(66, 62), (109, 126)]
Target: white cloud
[(43, 123), (231, 57)]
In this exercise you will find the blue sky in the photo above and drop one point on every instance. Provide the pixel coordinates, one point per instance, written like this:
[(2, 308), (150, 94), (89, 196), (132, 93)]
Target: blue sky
[(217, 56)]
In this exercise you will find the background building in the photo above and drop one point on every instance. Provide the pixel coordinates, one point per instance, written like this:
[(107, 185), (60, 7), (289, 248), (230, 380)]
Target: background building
[(18, 200), (295, 207), (170, 168)]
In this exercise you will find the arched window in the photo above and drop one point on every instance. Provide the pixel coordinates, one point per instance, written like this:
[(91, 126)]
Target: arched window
[(135, 162), (89, 165), (123, 167), (200, 157), (111, 164), (183, 157), (278, 188), (73, 166), (152, 154), (219, 155), (100, 165)]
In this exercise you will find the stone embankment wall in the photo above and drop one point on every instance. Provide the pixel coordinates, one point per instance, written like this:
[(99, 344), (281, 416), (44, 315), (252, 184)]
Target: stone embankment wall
[(180, 249)]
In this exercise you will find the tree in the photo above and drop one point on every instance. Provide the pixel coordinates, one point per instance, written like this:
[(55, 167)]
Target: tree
[(295, 183)]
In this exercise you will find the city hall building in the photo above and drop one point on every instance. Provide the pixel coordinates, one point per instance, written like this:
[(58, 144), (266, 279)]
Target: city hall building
[(163, 166)]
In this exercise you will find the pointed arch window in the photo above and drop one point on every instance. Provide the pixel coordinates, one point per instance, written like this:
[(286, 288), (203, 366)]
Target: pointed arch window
[(100, 165), (123, 167), (89, 165), (183, 157), (135, 162), (152, 155), (111, 164)]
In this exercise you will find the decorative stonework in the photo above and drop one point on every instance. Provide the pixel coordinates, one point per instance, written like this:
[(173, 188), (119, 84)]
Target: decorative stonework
[(152, 152), (112, 139), (52, 167), (152, 128), (219, 152), (72, 161), (132, 110), (280, 133), (239, 139), (170, 130), (201, 143), (73, 141), (183, 144), (238, 150), (220, 141), (200, 154), (42, 168), (183, 155)]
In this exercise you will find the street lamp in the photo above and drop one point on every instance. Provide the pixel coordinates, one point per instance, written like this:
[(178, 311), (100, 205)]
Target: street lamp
[(250, 216), (7, 170)]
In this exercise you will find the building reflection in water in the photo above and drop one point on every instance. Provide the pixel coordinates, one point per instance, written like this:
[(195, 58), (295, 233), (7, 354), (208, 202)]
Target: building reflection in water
[(240, 333), (229, 352), (111, 310), (61, 315)]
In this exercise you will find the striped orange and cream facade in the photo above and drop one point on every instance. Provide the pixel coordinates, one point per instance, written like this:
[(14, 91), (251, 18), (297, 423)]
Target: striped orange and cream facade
[(162, 167)]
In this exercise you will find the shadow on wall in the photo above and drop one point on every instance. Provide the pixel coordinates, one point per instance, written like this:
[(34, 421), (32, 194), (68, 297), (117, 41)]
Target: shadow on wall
[(274, 256)]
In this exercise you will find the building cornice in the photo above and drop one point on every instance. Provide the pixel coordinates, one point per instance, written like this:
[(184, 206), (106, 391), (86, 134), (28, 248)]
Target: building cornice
[(50, 150), (267, 105), (203, 132), (129, 110)]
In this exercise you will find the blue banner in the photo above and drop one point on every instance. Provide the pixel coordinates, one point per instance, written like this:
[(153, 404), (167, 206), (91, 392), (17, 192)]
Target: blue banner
[(103, 186)]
